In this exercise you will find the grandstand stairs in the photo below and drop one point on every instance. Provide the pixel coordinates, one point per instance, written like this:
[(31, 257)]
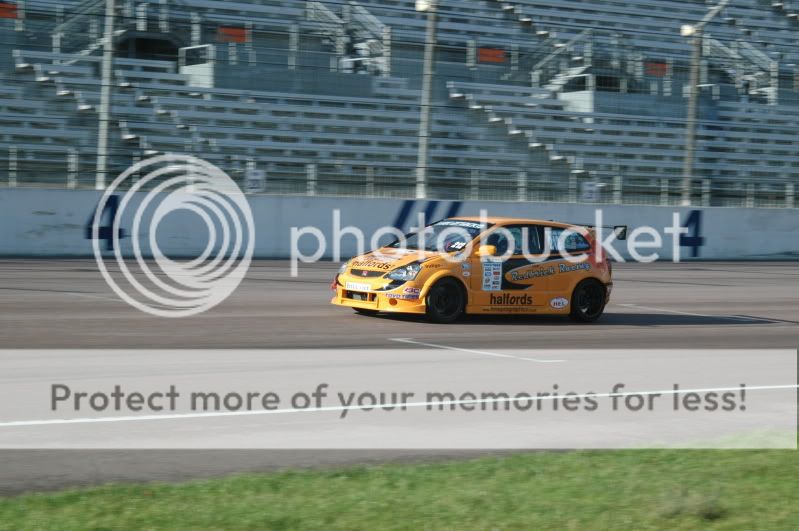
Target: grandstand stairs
[(478, 100), (785, 9), (754, 72)]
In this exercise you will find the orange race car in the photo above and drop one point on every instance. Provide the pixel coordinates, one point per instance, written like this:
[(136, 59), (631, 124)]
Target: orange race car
[(482, 266)]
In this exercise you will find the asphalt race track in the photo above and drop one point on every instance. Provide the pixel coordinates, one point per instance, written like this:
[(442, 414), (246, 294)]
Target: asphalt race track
[(65, 304)]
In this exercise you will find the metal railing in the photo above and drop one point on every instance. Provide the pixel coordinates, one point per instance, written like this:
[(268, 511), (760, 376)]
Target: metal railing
[(74, 170)]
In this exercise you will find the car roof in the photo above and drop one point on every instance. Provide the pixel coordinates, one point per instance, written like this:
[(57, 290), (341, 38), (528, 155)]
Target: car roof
[(514, 221)]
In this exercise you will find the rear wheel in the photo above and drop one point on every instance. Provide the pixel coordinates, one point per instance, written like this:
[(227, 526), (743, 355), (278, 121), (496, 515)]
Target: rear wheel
[(364, 311), (588, 301), (445, 301)]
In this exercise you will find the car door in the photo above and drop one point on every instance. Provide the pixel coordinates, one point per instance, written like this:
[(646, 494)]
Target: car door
[(513, 284)]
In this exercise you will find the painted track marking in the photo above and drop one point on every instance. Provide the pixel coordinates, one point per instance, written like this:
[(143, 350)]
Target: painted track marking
[(412, 341), (677, 312)]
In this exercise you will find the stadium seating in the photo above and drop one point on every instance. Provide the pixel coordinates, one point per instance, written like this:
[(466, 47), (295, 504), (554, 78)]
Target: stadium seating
[(533, 101)]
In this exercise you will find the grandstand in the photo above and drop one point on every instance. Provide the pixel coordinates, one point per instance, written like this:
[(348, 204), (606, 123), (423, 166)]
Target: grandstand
[(568, 100)]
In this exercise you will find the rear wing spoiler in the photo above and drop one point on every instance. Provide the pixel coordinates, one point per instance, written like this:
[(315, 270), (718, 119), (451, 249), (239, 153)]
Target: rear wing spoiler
[(619, 230)]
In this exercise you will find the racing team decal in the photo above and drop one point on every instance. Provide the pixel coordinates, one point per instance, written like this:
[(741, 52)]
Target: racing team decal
[(568, 268), (559, 303), (521, 274)]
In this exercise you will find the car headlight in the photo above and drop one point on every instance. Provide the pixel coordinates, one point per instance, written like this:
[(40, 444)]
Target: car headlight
[(406, 273), (343, 268)]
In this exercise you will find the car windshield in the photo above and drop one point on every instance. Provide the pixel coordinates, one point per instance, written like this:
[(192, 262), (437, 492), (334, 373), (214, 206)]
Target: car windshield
[(446, 236)]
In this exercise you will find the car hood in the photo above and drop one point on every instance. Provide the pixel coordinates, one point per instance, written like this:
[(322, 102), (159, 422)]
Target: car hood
[(388, 259)]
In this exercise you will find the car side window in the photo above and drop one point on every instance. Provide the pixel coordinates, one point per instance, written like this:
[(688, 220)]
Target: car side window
[(524, 238), (534, 242), (574, 242), (498, 239)]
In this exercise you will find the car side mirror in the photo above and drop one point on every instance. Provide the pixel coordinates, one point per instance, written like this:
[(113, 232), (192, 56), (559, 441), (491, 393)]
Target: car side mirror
[(487, 250)]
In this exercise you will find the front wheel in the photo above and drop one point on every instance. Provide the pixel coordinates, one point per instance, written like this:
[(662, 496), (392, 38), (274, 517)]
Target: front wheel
[(588, 301), (445, 301)]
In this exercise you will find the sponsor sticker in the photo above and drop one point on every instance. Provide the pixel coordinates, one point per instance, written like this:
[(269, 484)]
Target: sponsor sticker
[(492, 276), (407, 294), (559, 303), (357, 286), (412, 291), (464, 224), (507, 299), (371, 264)]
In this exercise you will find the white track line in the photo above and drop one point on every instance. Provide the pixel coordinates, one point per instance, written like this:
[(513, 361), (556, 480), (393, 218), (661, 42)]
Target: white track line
[(390, 406), (733, 317), (95, 297), (412, 341), (29, 291)]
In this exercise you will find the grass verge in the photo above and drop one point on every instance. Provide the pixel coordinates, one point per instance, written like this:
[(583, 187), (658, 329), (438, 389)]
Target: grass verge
[(577, 490)]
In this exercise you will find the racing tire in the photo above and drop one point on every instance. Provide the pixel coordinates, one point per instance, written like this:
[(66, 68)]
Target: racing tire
[(365, 311), (588, 301), (445, 301)]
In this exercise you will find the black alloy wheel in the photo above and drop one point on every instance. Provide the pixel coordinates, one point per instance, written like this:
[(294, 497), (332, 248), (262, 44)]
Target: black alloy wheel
[(588, 301), (445, 301)]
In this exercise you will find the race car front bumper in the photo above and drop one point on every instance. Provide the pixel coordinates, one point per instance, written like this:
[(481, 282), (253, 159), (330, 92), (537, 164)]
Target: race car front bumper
[(407, 298)]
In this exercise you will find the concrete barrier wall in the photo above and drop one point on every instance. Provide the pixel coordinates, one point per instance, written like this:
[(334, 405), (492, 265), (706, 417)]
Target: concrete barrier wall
[(53, 223)]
